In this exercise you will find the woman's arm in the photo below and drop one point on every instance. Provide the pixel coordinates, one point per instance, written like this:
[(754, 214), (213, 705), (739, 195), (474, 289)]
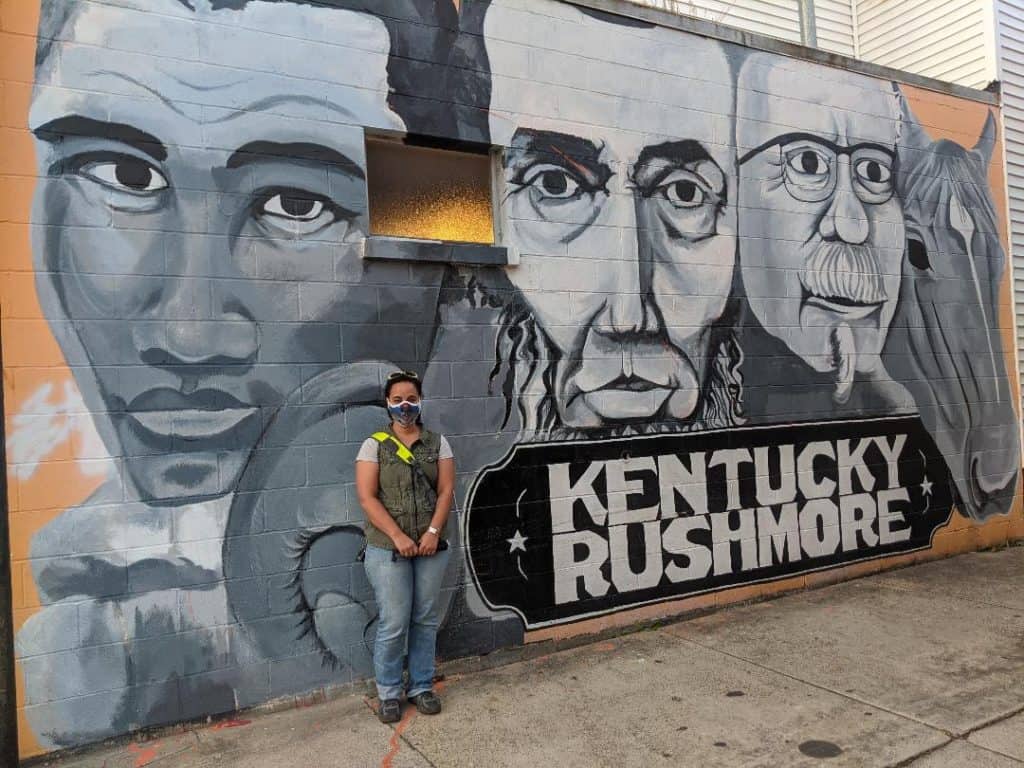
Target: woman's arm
[(367, 486), (445, 496)]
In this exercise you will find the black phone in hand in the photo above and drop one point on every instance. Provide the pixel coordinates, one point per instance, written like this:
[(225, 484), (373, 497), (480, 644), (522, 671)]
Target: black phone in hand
[(442, 545)]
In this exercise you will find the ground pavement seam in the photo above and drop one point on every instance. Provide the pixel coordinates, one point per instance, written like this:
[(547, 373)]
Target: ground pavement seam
[(398, 735), (950, 736)]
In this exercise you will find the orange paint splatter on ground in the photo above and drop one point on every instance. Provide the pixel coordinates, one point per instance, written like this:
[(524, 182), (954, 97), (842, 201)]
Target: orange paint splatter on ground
[(605, 647), (395, 742), (143, 755), (230, 724)]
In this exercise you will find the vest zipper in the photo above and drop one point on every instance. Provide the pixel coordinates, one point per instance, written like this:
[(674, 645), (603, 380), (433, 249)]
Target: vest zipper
[(415, 503)]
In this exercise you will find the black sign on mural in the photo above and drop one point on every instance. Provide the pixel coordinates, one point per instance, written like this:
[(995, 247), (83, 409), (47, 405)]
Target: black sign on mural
[(559, 532)]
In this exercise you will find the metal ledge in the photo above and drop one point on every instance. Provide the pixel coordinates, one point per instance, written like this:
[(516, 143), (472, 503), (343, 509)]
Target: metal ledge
[(438, 251), (775, 45)]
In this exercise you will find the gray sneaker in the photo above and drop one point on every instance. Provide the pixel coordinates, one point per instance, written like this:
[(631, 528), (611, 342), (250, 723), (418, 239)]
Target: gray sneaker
[(390, 711), (427, 703)]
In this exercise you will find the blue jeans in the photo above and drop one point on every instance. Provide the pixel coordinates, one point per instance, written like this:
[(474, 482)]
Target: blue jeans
[(408, 594)]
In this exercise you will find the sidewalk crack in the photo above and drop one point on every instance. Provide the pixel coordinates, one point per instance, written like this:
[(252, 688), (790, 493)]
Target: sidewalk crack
[(412, 746), (819, 686), (951, 737)]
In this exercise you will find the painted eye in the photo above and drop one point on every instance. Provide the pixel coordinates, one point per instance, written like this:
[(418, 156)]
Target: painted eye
[(809, 162), (683, 189), (917, 254), (296, 211), (292, 207), (873, 171), (553, 182), (126, 174), (684, 194)]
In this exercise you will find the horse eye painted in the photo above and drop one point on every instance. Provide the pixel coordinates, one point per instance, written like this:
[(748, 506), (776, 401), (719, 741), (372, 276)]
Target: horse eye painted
[(918, 254)]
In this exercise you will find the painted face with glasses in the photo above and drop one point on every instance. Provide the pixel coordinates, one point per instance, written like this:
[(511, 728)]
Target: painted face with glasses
[(821, 231)]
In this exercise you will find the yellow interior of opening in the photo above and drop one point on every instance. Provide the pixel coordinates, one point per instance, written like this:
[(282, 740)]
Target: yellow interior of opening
[(427, 193)]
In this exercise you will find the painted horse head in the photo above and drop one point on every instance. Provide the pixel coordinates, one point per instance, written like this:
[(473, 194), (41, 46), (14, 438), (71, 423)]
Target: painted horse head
[(945, 344)]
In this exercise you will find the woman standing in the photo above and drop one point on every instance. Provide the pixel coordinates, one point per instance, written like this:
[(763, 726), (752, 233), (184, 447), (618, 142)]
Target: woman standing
[(405, 478)]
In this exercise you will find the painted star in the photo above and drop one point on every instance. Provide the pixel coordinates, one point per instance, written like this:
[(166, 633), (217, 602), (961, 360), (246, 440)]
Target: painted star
[(517, 542), (926, 486)]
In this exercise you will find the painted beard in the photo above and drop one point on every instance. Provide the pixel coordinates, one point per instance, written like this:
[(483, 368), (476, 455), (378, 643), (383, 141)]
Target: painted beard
[(843, 294)]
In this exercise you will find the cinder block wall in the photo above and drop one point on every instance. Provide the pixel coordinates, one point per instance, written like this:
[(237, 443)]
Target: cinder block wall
[(753, 334)]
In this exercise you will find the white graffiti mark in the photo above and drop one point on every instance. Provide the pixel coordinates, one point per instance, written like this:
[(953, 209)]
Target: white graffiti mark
[(44, 423)]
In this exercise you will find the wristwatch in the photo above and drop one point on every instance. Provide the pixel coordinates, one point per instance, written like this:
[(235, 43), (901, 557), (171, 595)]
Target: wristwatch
[(433, 530)]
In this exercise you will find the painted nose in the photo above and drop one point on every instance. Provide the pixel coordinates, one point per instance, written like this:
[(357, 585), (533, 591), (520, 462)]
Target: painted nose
[(196, 320), (993, 464), (628, 303), (846, 218)]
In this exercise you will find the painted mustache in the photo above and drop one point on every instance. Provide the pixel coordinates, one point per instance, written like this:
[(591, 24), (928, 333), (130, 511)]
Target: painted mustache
[(844, 272)]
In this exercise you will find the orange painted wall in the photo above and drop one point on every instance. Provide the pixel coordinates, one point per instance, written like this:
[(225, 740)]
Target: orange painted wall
[(33, 363)]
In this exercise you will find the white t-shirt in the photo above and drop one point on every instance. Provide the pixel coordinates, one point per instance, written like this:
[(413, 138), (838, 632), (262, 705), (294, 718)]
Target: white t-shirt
[(368, 450)]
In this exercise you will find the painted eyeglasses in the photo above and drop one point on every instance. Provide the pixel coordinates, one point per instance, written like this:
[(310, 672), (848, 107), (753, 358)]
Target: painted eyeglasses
[(810, 167)]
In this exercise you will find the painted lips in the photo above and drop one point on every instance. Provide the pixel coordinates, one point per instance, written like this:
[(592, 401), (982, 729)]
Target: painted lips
[(849, 308), (628, 397), (203, 415)]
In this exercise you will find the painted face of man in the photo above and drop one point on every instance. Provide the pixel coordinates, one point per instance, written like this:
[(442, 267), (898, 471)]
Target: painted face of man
[(619, 206), (821, 231), (202, 185)]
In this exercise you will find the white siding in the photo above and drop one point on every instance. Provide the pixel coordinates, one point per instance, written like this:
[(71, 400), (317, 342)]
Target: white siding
[(1011, 55), (945, 39), (833, 22), (778, 18)]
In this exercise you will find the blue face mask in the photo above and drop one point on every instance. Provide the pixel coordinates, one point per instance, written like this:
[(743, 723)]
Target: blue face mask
[(405, 413)]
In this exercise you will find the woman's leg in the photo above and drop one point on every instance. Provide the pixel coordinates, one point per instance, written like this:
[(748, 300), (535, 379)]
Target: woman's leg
[(392, 582), (428, 573)]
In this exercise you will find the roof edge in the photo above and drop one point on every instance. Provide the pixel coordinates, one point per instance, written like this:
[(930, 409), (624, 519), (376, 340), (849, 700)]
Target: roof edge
[(775, 45)]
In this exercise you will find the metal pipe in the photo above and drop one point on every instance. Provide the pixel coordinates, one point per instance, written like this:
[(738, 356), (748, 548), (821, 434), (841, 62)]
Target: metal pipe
[(808, 30)]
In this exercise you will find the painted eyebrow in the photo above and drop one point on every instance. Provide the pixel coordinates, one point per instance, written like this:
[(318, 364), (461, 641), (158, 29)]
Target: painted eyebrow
[(671, 155), (79, 125), (679, 152), (579, 153), (559, 143), (259, 151)]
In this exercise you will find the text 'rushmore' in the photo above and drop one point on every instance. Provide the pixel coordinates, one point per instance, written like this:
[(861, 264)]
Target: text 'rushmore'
[(629, 523)]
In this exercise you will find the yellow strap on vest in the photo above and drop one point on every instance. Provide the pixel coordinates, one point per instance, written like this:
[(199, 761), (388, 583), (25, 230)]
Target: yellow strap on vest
[(403, 453)]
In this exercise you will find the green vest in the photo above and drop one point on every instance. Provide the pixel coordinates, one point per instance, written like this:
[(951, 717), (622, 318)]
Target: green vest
[(403, 492)]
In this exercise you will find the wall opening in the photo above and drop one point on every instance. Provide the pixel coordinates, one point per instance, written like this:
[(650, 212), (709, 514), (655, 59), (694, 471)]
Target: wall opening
[(429, 193)]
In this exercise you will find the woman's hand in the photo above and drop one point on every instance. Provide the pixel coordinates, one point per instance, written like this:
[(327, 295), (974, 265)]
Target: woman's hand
[(405, 546), (428, 544)]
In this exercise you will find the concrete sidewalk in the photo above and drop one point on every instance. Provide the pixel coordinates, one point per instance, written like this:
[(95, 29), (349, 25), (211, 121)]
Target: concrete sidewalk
[(919, 667)]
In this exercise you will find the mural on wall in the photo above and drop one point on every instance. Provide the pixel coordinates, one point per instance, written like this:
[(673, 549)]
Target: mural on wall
[(753, 331), (198, 255), (821, 239), (945, 344), (626, 236), (558, 533)]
